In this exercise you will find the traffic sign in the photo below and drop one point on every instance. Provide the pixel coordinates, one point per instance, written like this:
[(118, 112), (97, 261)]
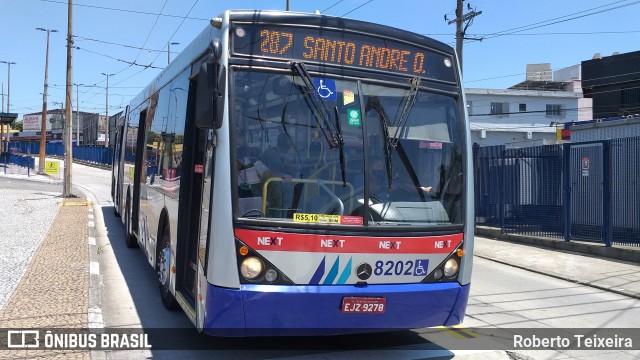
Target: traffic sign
[(52, 167)]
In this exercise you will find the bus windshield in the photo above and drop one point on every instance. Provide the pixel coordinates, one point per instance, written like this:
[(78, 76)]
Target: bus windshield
[(318, 149)]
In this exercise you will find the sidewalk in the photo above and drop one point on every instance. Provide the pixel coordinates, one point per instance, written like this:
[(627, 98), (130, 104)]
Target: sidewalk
[(605, 273), (53, 292)]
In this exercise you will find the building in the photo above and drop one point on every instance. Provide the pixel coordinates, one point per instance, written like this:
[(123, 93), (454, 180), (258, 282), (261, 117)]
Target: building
[(613, 82), (95, 130), (32, 125), (605, 129), (532, 111)]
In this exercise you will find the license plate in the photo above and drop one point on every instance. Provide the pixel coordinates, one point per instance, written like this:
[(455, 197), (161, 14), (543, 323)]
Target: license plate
[(364, 305)]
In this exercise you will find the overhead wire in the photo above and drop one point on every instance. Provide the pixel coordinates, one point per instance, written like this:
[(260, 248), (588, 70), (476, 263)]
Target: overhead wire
[(172, 35), (338, 2), (356, 8), (129, 11)]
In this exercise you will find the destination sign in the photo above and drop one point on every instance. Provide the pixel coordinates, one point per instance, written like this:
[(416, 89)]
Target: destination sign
[(318, 45)]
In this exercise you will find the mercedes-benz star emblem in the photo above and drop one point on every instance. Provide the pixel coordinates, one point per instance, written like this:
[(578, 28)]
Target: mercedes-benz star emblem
[(363, 271)]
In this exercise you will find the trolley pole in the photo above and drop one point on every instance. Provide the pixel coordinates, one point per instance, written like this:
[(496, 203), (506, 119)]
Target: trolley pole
[(43, 126), (68, 153)]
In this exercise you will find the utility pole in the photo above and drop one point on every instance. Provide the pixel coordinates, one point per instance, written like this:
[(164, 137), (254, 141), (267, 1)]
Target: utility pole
[(106, 112), (68, 156), (169, 51), (460, 20), (43, 127), (2, 97), (8, 84)]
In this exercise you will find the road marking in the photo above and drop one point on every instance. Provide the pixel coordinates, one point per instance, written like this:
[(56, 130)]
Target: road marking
[(459, 332), (75, 203), (92, 241), (90, 216), (90, 224), (94, 268)]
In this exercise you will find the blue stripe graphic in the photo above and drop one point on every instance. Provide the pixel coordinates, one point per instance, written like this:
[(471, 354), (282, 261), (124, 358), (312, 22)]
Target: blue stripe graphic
[(315, 279), (333, 272), (345, 274)]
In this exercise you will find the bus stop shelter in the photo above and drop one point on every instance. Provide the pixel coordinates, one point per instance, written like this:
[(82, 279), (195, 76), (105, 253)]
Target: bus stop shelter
[(5, 119)]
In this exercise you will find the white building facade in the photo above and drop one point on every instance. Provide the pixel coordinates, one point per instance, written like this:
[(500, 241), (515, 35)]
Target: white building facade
[(508, 116)]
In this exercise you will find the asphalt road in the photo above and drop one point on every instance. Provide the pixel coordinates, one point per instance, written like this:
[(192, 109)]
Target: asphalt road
[(501, 296)]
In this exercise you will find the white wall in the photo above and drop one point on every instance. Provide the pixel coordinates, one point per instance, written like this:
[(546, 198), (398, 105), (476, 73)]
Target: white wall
[(514, 126)]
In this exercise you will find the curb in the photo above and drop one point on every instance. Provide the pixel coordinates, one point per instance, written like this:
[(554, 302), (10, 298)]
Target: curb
[(94, 308), (562, 277), (631, 255)]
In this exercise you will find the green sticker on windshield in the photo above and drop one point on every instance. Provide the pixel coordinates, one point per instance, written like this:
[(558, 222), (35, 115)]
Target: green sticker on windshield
[(354, 117)]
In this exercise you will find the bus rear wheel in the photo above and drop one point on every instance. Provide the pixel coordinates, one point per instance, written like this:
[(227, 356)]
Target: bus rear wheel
[(164, 271), (129, 239)]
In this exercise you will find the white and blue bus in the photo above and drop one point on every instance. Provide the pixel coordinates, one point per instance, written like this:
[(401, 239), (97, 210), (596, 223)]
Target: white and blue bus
[(296, 173)]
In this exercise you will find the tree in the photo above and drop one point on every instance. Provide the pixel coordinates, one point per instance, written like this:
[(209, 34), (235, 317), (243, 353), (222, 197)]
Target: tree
[(17, 125)]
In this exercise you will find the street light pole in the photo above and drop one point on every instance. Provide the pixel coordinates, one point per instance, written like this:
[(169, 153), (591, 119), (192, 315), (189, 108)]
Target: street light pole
[(169, 51), (68, 153), (2, 143), (106, 137), (43, 127), (8, 84)]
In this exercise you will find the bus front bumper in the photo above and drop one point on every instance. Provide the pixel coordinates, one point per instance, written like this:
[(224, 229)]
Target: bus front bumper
[(272, 310)]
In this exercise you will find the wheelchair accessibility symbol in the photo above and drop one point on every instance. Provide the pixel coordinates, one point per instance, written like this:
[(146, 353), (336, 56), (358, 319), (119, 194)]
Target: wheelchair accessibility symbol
[(421, 267), (325, 88)]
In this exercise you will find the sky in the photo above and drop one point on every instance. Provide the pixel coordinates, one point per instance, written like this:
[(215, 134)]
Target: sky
[(128, 39)]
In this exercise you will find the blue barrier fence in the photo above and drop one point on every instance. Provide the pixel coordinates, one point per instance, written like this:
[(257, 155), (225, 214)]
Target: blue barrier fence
[(91, 154), (578, 191)]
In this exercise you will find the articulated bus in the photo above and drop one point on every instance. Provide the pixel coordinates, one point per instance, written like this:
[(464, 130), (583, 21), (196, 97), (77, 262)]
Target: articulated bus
[(294, 173)]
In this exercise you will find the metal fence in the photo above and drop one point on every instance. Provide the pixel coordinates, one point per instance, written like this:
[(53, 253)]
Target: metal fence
[(17, 164), (89, 154), (579, 191)]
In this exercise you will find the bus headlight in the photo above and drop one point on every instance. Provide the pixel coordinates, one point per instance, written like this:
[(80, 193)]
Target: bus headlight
[(450, 267), (251, 268)]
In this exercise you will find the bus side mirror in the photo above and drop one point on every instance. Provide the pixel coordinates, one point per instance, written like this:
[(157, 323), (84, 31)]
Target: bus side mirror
[(210, 86)]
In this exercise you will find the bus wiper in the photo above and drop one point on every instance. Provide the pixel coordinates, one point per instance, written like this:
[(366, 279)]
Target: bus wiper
[(385, 135), (404, 115), (334, 138), (340, 145)]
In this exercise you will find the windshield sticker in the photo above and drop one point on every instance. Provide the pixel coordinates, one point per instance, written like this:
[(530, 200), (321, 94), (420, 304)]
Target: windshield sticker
[(327, 219), (326, 88), (348, 97), (354, 117), (430, 145)]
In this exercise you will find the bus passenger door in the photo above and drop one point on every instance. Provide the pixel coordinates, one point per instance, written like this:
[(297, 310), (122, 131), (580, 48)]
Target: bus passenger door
[(200, 195), (193, 218)]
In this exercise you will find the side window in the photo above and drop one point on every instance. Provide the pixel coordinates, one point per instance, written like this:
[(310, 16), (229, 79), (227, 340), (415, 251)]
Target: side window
[(165, 136), (130, 143)]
